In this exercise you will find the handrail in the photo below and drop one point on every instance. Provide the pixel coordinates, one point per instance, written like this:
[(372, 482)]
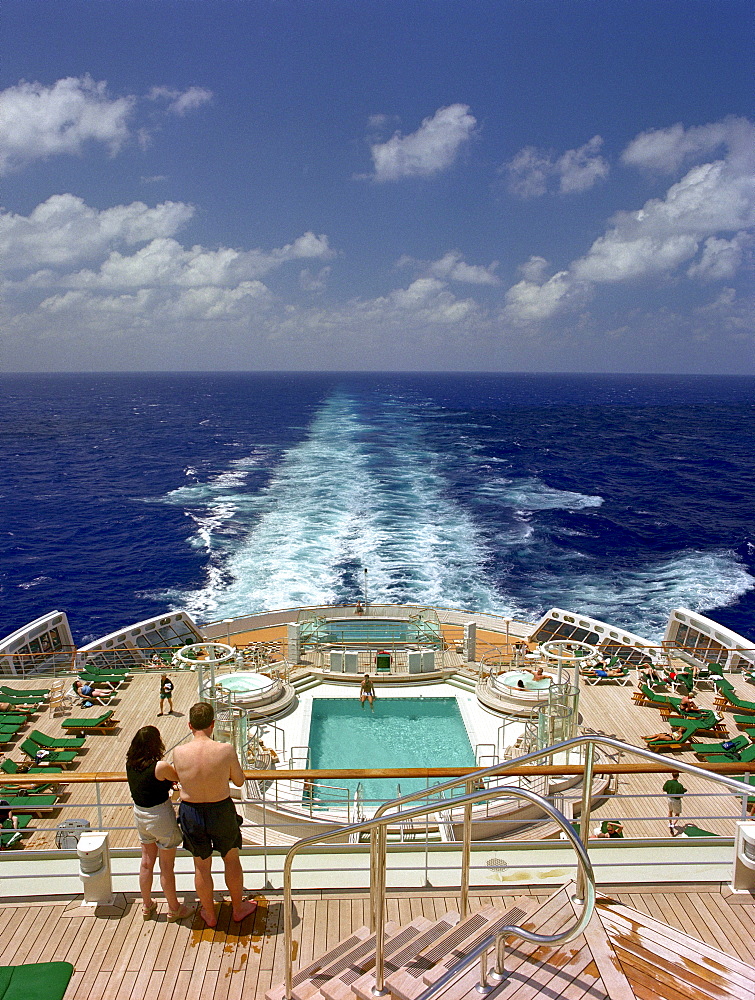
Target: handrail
[(377, 876), (381, 820)]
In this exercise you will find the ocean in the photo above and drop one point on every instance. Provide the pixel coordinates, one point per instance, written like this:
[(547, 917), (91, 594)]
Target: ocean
[(620, 496)]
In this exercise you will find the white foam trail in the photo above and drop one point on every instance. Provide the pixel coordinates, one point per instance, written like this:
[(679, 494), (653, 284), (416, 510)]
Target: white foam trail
[(641, 599), (342, 499), (532, 494)]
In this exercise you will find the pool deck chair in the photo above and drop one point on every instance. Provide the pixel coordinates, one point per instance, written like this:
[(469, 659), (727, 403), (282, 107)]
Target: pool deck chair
[(34, 804), (25, 692), (61, 757), (724, 747), (103, 724), (728, 696), (10, 837), (48, 980), (647, 696), (9, 766), (55, 742), (592, 677)]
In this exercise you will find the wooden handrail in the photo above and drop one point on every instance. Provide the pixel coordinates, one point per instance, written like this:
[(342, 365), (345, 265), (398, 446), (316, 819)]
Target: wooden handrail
[(117, 777)]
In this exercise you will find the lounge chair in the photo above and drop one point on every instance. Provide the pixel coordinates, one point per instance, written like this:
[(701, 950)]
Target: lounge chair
[(9, 766), (32, 803), (592, 677), (728, 696), (690, 830), (101, 724), (31, 982), (11, 836), (8, 719), (56, 743), (646, 695), (11, 791), (724, 747), (8, 735), (24, 692), (62, 757)]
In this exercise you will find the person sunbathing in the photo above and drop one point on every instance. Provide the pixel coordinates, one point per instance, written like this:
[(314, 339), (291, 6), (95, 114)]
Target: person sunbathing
[(687, 704), (87, 692)]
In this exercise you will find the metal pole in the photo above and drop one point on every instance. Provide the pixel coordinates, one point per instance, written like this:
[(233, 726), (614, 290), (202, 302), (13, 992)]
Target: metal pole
[(508, 647), (365, 590), (584, 816), (466, 845), (379, 989), (99, 804)]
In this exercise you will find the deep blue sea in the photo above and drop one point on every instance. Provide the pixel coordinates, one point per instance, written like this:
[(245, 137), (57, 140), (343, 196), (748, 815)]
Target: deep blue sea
[(620, 496)]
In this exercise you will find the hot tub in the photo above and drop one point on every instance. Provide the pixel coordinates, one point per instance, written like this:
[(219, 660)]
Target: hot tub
[(248, 687), (508, 682)]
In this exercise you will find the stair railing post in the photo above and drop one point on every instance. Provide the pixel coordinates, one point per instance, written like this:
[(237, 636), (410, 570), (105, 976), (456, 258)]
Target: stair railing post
[(466, 846), (379, 989), (584, 816), (484, 986), (499, 971)]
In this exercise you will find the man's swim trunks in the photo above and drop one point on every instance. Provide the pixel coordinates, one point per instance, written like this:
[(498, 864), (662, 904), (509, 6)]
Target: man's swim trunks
[(209, 826)]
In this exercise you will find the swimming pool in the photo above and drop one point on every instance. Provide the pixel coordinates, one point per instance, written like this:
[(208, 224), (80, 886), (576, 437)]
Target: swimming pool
[(401, 732)]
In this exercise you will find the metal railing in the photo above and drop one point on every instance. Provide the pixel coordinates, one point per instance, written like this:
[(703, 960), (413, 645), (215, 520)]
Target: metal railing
[(382, 819), (378, 827)]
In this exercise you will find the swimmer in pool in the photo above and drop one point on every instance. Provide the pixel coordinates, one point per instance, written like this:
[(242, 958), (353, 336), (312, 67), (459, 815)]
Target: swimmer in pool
[(367, 692), (537, 673)]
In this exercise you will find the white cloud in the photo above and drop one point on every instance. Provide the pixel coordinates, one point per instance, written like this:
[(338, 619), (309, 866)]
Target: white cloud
[(533, 302), (720, 259), (666, 149), (181, 101), (452, 267), (531, 171), (432, 148), (712, 199), (37, 122), (580, 169), (64, 231)]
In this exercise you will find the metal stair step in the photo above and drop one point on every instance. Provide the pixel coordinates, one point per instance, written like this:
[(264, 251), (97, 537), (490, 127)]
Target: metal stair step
[(342, 986), (398, 958), (278, 992), (481, 925), (362, 955)]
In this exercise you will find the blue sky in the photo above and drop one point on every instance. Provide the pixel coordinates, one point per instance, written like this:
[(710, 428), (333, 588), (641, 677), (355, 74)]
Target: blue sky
[(524, 186)]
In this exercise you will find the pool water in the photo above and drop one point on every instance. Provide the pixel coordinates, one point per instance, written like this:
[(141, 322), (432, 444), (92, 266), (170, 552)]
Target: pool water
[(245, 682), (401, 732)]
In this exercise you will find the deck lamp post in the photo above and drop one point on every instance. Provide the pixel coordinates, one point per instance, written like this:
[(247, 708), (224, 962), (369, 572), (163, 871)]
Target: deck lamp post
[(228, 622), (508, 649), (365, 589)]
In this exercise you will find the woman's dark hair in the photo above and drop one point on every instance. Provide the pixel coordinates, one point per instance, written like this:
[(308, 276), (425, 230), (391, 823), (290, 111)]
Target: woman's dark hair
[(146, 748)]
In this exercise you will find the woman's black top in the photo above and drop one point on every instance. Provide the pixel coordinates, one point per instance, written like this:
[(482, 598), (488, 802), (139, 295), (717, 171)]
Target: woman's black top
[(146, 789)]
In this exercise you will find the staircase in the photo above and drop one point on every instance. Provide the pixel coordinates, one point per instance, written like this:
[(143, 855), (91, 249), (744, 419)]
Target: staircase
[(622, 955)]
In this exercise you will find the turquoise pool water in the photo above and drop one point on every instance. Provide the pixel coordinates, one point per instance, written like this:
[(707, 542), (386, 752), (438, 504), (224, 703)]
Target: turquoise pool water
[(401, 732)]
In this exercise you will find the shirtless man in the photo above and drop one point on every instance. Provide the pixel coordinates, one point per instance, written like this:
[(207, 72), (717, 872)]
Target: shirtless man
[(367, 692), (207, 817)]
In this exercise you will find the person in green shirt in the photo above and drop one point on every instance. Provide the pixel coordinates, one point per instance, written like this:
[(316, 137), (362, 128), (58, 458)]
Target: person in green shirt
[(674, 789)]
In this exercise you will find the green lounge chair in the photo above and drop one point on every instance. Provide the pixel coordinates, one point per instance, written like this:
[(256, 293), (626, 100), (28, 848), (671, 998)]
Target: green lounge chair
[(690, 830), (32, 803), (724, 747), (661, 699), (8, 736), (726, 689), (25, 692), (36, 981), (744, 720), (56, 743), (9, 766), (63, 757), (12, 719), (104, 722), (11, 836)]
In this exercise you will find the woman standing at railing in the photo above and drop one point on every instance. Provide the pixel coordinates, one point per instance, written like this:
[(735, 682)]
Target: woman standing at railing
[(155, 819)]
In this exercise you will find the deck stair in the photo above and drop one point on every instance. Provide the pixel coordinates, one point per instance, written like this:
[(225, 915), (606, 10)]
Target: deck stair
[(622, 955)]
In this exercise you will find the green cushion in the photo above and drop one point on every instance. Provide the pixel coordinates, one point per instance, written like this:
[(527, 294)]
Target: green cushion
[(56, 743), (87, 723), (38, 981), (32, 801)]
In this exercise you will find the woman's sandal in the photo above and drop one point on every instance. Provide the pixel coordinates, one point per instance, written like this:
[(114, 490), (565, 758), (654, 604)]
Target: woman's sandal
[(180, 913), (148, 912)]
